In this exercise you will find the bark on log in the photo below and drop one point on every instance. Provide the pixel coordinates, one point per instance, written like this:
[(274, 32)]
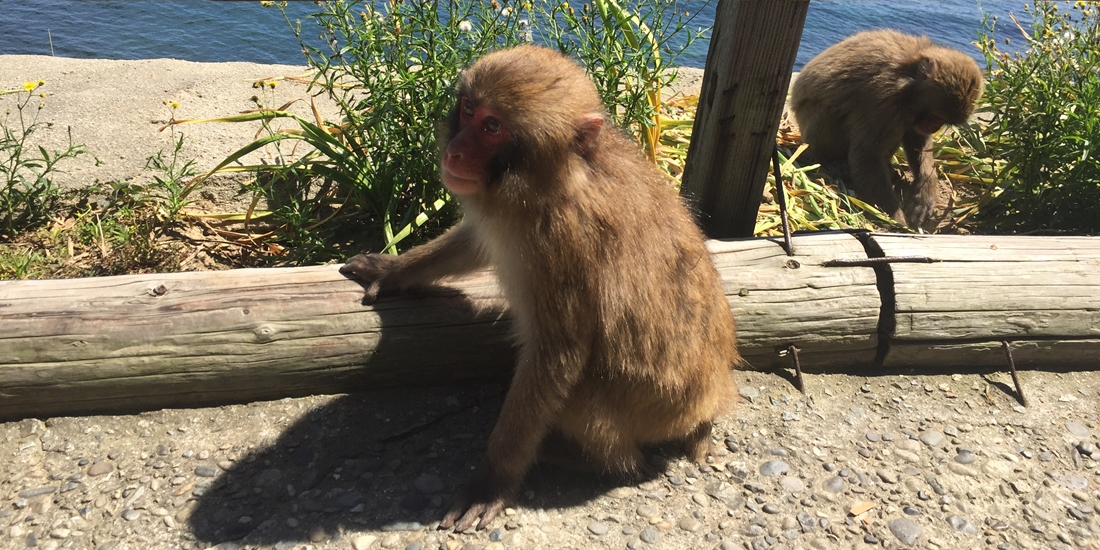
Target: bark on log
[(142, 342), (138, 342), (1040, 293)]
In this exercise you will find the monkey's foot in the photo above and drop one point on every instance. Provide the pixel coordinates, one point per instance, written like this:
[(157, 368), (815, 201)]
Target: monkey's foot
[(697, 444), (481, 501)]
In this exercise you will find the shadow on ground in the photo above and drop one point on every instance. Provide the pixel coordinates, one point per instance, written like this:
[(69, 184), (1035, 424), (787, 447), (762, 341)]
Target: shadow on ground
[(382, 460)]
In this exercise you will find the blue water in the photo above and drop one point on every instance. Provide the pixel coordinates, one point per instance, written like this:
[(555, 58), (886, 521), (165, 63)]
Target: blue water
[(240, 31)]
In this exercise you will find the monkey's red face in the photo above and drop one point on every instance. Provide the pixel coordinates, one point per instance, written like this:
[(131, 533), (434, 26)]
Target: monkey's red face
[(479, 136)]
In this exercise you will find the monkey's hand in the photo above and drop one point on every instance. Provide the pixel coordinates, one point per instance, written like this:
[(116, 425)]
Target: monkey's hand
[(482, 499), (372, 270)]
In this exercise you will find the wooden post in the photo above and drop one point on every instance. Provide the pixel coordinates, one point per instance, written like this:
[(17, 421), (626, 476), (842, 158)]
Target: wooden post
[(752, 52)]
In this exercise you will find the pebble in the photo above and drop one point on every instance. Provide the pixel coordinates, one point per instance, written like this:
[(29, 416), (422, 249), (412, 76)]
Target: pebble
[(130, 514), (906, 530), (690, 525), (100, 468), (886, 476), (873, 437), (834, 484), (646, 511), (205, 471), (773, 468), (965, 457), (792, 484), (598, 528), (31, 493), (1077, 429), (649, 535), (770, 509), (806, 522), (932, 438), (961, 524)]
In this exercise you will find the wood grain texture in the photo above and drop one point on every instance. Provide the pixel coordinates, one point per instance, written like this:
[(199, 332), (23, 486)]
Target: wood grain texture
[(140, 342), (752, 51), (1041, 293)]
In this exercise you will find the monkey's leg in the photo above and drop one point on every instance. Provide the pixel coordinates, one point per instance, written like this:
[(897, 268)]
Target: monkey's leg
[(920, 202), (539, 390), (871, 177)]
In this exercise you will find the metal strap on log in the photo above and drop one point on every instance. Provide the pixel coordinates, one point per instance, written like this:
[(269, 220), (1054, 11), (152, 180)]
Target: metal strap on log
[(139, 342)]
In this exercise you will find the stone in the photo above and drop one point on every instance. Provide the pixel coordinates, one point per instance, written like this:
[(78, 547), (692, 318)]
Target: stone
[(932, 438), (1077, 429), (906, 530), (834, 484), (690, 525), (773, 468), (598, 528), (961, 524)]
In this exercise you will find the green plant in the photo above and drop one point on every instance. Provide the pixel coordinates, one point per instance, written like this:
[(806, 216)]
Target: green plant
[(390, 68), (1044, 125), (627, 48), (170, 189), (815, 205), (27, 195)]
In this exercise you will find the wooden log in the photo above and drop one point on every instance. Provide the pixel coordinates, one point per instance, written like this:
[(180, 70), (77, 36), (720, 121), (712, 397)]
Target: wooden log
[(140, 342), (1040, 293)]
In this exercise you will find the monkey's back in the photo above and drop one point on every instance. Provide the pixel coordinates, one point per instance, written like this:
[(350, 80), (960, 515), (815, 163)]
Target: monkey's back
[(856, 77), (665, 340)]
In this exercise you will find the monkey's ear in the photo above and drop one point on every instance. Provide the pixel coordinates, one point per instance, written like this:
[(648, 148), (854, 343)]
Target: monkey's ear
[(588, 128), (920, 68)]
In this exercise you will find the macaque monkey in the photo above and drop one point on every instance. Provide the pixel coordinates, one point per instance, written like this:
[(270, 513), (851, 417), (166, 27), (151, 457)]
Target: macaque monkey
[(625, 336), (862, 97)]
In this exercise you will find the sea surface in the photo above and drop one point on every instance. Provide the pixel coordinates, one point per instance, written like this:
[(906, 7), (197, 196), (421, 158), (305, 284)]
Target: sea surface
[(246, 31)]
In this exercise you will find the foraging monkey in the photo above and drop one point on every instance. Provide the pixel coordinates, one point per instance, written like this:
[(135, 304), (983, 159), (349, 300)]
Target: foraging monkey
[(873, 91), (625, 336)]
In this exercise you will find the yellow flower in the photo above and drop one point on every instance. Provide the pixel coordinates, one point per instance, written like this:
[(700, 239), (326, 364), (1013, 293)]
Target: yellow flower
[(271, 84), (29, 86)]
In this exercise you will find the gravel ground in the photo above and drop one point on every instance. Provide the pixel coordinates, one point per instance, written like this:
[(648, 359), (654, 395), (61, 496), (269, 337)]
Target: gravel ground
[(891, 461)]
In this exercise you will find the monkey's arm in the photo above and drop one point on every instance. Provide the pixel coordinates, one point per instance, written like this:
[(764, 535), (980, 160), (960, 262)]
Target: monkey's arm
[(920, 200), (453, 253), (545, 376), (869, 163)]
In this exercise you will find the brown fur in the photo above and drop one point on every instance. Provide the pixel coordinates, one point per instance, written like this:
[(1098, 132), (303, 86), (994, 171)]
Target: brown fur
[(625, 336), (863, 97)]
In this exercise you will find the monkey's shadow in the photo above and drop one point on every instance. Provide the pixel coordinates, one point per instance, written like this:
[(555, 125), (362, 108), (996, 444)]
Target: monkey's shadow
[(379, 459)]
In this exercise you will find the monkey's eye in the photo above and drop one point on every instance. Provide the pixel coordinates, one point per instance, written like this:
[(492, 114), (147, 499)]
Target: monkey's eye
[(492, 125), (467, 109)]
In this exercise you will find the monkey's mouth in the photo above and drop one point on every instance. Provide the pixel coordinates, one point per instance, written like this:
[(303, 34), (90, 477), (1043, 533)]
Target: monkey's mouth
[(929, 124), (460, 186)]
